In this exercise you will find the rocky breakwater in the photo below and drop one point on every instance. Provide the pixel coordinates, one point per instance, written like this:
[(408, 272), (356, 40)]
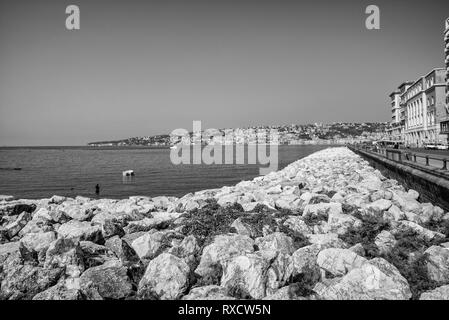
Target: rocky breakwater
[(328, 226)]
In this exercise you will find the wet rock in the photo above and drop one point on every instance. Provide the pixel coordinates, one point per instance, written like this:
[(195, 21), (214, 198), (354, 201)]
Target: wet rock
[(107, 281), (166, 278)]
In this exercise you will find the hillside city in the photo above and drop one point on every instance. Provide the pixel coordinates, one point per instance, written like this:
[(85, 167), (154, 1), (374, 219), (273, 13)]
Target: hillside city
[(309, 134)]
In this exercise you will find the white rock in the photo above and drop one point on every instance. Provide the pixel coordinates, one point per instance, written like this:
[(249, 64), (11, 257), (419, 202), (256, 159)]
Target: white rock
[(166, 278), (338, 262)]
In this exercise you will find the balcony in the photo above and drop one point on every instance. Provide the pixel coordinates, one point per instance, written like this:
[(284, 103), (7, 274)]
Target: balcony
[(444, 127)]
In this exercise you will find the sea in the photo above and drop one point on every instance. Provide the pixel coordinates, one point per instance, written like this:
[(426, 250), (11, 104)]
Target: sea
[(41, 172)]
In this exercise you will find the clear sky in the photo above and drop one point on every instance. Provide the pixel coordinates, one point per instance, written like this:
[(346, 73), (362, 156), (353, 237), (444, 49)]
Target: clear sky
[(147, 67)]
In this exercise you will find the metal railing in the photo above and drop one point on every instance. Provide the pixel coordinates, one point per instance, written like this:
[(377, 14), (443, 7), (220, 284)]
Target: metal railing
[(404, 156)]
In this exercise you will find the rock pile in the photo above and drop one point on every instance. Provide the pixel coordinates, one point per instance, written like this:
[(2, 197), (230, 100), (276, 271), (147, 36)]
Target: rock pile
[(328, 226)]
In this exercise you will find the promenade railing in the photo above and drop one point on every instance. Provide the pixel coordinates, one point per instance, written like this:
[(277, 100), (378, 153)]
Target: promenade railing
[(407, 156)]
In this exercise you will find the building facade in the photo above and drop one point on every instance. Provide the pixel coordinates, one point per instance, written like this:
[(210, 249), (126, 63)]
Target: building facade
[(444, 123), (424, 107), (395, 130), (420, 109)]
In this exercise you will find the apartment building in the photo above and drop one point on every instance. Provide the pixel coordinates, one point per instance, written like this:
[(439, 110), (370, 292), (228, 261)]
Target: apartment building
[(444, 123), (395, 131), (424, 108)]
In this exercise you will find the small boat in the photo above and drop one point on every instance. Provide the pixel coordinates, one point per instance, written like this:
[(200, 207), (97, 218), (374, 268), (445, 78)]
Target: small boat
[(128, 173)]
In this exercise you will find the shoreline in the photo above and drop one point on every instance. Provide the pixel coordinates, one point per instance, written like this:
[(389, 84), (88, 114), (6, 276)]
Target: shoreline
[(329, 219)]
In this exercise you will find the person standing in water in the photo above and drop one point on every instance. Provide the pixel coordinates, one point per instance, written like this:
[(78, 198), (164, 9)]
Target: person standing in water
[(97, 189)]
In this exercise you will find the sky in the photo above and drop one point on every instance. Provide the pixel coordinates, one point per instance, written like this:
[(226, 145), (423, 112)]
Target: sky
[(138, 68)]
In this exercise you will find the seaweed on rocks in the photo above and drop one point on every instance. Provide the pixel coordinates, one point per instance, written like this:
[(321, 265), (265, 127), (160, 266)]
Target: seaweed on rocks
[(299, 240), (315, 219), (438, 226), (209, 221), (409, 258), (302, 284), (366, 233)]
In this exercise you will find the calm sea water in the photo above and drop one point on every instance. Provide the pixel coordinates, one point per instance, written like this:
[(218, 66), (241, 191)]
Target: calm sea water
[(72, 171)]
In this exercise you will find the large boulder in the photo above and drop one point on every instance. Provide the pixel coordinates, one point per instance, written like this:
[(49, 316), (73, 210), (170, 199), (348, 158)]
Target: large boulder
[(25, 281), (339, 262), (305, 259), (78, 231), (107, 281), (123, 251), (33, 246), (374, 280), (245, 276), (437, 264), (67, 254), (278, 242), (166, 278), (153, 243), (222, 248)]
